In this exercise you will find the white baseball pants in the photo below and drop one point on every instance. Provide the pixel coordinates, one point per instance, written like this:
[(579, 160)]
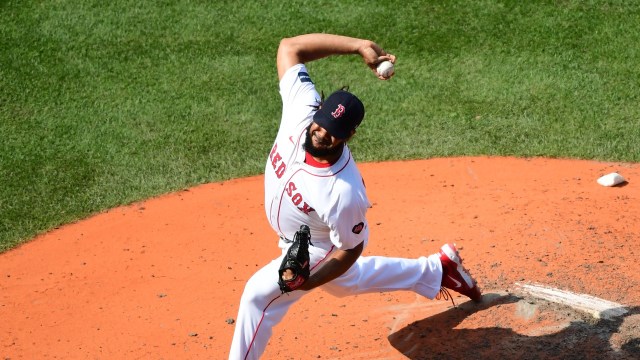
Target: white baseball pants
[(262, 305)]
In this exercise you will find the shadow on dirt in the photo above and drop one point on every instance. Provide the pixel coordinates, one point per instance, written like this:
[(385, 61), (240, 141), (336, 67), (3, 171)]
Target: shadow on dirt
[(437, 337)]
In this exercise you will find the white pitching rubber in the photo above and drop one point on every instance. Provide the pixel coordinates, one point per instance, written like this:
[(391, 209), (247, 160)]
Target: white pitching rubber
[(599, 308)]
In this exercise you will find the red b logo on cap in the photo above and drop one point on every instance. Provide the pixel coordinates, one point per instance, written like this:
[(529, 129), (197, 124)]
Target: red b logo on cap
[(338, 112)]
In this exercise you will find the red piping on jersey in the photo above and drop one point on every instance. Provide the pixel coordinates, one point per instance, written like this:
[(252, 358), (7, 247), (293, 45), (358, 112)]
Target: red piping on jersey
[(310, 173), (296, 146)]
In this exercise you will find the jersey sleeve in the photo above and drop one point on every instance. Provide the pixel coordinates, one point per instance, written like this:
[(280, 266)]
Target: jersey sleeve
[(347, 219), (300, 99)]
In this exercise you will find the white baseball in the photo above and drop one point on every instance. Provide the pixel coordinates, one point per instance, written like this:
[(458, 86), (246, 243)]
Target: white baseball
[(385, 69)]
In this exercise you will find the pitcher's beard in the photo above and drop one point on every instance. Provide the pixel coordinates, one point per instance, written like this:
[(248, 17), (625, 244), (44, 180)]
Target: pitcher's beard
[(320, 153)]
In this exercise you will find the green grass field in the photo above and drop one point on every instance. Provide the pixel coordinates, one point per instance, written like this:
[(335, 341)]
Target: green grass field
[(106, 103)]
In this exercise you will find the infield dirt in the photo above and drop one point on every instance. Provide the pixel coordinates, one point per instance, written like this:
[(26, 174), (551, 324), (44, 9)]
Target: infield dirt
[(161, 279)]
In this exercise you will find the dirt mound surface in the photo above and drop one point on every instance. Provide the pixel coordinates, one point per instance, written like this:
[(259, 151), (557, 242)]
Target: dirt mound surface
[(162, 278)]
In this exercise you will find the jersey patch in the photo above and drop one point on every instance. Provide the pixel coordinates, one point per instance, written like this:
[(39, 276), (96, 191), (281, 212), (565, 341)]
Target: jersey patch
[(304, 77), (358, 228)]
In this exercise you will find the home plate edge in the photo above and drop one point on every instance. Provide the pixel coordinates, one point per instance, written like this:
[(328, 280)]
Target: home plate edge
[(599, 308)]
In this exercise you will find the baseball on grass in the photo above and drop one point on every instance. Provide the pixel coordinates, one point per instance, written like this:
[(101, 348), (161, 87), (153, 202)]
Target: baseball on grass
[(385, 69)]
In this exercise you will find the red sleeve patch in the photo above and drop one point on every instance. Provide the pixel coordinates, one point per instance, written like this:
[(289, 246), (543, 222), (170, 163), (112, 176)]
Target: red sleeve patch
[(358, 228)]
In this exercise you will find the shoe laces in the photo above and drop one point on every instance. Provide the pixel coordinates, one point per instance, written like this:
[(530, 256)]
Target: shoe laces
[(444, 294)]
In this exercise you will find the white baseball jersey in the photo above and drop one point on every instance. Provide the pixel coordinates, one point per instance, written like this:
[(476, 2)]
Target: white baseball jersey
[(332, 201), (329, 198)]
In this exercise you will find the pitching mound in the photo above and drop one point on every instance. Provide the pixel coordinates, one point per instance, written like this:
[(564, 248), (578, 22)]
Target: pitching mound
[(555, 252)]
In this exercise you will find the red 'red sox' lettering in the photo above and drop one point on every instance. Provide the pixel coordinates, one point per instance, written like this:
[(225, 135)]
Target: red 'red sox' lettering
[(297, 199), (276, 161)]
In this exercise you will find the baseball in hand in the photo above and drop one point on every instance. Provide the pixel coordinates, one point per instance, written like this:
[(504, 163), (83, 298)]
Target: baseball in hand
[(385, 69)]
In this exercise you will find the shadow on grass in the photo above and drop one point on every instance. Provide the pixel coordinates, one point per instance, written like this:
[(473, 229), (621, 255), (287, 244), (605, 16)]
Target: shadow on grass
[(437, 337)]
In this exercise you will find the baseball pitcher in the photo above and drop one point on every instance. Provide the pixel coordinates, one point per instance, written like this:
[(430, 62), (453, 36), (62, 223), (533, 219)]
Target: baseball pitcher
[(316, 203)]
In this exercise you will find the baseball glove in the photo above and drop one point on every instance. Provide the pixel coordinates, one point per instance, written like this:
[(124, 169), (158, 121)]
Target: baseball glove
[(294, 269)]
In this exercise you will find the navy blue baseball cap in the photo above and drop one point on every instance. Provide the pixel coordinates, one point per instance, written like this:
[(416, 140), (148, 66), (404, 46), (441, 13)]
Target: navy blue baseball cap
[(340, 114)]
